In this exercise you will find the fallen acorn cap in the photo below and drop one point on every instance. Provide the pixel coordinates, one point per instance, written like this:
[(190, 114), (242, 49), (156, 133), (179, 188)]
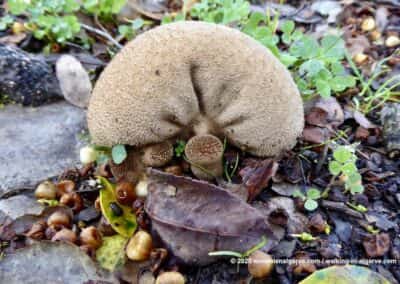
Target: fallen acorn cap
[(173, 76)]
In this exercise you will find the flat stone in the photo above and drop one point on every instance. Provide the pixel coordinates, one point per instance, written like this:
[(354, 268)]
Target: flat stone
[(19, 206), (47, 262), (38, 143)]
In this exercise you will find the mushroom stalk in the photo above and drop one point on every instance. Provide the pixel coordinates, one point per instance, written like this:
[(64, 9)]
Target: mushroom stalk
[(204, 153)]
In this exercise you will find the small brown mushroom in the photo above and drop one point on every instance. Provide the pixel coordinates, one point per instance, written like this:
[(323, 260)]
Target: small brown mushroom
[(90, 237), (204, 153), (65, 186), (72, 200), (158, 155), (65, 235), (58, 220)]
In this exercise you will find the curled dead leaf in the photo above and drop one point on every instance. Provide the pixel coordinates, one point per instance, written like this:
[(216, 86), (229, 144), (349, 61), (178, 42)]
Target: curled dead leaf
[(210, 215), (325, 113), (314, 134), (256, 176)]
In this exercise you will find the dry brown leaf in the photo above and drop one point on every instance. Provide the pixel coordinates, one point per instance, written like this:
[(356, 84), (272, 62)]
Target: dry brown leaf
[(199, 218), (256, 177)]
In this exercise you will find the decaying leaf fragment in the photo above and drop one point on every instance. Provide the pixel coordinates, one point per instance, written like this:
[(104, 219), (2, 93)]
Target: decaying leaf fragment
[(197, 217), (121, 217), (257, 175), (111, 254)]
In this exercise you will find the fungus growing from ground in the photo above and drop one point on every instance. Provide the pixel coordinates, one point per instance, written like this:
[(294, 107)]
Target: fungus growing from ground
[(204, 153), (158, 155), (196, 78)]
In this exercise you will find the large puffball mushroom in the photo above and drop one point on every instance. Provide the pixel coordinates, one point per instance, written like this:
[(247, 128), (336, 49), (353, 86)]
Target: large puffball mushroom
[(204, 153), (175, 77)]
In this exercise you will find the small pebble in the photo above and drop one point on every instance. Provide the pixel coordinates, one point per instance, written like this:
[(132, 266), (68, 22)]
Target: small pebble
[(392, 41)]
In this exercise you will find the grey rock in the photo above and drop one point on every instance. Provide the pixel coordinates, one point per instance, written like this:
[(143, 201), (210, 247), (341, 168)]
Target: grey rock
[(20, 205), (47, 262), (38, 143), (25, 78), (328, 8)]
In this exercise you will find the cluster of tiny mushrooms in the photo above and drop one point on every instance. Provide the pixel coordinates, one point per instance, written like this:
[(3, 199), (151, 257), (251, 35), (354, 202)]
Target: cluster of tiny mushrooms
[(199, 82)]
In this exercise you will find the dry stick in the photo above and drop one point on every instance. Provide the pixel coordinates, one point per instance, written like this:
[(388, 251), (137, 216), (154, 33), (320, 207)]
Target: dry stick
[(322, 159), (328, 187), (341, 207), (103, 34)]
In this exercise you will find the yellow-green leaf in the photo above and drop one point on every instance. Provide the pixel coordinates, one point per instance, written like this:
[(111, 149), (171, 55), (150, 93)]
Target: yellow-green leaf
[(123, 223), (111, 254), (347, 274)]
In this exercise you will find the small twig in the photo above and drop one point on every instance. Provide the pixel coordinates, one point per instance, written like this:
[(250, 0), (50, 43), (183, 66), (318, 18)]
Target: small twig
[(75, 45), (322, 160), (328, 187), (103, 34), (341, 207), (97, 22)]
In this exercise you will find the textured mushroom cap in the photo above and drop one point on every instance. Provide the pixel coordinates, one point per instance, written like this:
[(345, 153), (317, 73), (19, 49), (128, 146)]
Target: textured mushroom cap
[(172, 76), (204, 149), (158, 155), (204, 153)]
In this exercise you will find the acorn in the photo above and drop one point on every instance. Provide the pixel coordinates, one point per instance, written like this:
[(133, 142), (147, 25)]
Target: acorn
[(139, 246), (46, 190), (170, 277)]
